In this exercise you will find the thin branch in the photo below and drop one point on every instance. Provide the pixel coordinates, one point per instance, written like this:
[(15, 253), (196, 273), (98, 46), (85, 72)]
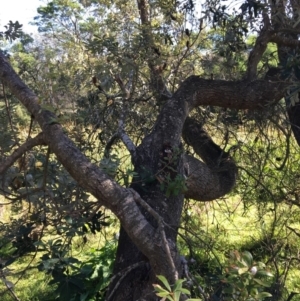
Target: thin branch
[(119, 80), (120, 134), (9, 161), (160, 222), (9, 114), (22, 196), (123, 274), (157, 79), (191, 278), (129, 144), (110, 143), (125, 138), (259, 48), (9, 287)]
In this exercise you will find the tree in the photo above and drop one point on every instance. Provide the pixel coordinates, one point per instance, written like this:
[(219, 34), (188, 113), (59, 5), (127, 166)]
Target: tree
[(149, 210)]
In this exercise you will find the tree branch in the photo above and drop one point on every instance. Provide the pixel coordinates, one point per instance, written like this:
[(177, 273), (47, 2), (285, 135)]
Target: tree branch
[(161, 225), (28, 145), (231, 94), (259, 48), (284, 41), (212, 179)]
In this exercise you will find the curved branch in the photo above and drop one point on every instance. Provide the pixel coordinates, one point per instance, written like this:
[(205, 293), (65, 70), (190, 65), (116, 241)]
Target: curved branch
[(28, 145), (242, 94), (196, 91), (212, 179)]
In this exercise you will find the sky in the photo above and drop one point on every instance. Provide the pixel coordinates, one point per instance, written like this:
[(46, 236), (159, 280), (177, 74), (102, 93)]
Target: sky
[(19, 10)]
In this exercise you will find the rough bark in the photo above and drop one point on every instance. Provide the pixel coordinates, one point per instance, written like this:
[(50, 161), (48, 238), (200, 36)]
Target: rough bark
[(294, 113), (287, 30), (212, 178)]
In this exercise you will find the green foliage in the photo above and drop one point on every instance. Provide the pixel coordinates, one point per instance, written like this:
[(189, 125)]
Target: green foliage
[(173, 187), (170, 181), (171, 293), (245, 280), (12, 31), (22, 116), (75, 280), (110, 165)]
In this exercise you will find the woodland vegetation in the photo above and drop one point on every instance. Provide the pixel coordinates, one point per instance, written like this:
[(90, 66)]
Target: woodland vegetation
[(141, 115)]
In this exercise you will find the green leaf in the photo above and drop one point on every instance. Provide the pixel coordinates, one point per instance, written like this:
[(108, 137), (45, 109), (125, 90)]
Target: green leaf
[(254, 292), (178, 284), (263, 295), (185, 291), (77, 282), (242, 270), (247, 258), (264, 273), (163, 294), (160, 290), (261, 282), (164, 281), (84, 296), (177, 295), (53, 121)]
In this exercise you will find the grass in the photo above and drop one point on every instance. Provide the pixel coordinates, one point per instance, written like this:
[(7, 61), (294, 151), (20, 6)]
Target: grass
[(225, 225), (29, 283)]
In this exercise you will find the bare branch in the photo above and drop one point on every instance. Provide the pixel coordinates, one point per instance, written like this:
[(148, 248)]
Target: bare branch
[(128, 143), (110, 143), (258, 50), (120, 82), (120, 134), (28, 145), (160, 222), (122, 274)]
